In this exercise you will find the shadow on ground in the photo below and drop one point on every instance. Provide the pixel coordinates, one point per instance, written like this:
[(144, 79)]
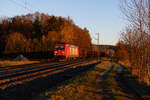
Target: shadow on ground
[(130, 84), (29, 90), (123, 86)]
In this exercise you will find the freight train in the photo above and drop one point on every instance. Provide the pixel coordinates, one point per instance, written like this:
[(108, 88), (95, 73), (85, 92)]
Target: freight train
[(66, 51)]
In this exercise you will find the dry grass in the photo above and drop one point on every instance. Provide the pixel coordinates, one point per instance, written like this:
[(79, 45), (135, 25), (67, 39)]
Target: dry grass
[(104, 65), (39, 74), (125, 63), (112, 89), (15, 63), (82, 87)]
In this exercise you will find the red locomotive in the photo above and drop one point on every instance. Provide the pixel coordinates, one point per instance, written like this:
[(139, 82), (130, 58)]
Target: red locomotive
[(66, 51)]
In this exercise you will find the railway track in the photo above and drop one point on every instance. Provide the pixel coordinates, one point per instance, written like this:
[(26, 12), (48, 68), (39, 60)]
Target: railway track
[(13, 76)]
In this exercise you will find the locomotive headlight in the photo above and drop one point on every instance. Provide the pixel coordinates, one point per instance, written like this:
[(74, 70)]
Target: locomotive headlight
[(63, 52)]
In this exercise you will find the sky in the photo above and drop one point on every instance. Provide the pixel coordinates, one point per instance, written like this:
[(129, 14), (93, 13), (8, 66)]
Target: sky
[(98, 16)]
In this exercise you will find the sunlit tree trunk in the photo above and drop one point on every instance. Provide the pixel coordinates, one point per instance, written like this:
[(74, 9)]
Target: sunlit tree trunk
[(137, 13)]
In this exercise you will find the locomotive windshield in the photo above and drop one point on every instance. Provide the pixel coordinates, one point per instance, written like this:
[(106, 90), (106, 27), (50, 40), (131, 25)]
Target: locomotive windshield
[(59, 47)]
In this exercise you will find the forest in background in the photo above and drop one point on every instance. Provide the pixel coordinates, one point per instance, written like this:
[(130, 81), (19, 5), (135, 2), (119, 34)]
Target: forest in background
[(36, 35)]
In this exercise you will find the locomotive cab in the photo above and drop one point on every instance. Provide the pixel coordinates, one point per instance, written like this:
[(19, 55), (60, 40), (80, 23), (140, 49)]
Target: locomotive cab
[(59, 50), (66, 51)]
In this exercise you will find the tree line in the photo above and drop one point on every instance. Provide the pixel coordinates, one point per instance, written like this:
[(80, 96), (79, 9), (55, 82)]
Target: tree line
[(39, 32), (134, 44)]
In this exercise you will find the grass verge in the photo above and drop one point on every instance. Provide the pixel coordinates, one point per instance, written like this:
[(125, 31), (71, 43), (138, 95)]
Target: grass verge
[(141, 91), (82, 87), (6, 63), (111, 88)]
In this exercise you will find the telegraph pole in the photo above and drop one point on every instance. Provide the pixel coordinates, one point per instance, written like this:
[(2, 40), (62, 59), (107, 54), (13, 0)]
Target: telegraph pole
[(98, 38), (98, 45)]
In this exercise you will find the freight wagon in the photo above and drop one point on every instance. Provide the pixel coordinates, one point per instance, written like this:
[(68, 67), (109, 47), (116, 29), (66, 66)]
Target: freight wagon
[(66, 51)]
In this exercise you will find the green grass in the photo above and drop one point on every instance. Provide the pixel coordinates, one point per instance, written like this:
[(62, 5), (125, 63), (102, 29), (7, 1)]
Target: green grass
[(82, 87), (112, 89), (142, 90), (124, 87)]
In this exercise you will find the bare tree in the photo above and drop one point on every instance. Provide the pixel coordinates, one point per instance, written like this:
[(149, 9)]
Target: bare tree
[(137, 36)]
